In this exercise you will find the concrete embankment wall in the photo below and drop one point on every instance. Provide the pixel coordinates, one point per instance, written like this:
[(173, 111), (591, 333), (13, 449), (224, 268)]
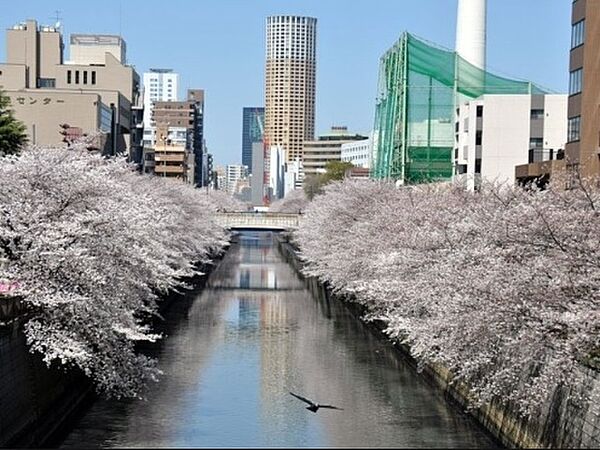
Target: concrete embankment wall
[(37, 403), (562, 423), (34, 400)]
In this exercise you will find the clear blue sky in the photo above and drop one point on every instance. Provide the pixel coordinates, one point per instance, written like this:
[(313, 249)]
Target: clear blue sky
[(218, 45)]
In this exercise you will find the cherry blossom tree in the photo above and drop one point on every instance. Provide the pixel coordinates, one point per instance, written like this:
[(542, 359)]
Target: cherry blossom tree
[(93, 245), (500, 286), (294, 202)]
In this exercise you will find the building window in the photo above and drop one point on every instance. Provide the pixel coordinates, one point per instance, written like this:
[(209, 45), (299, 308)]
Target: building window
[(68, 77), (77, 77), (536, 143), (574, 128), (575, 79), (479, 111), (46, 82), (93, 77), (537, 114), (85, 77), (577, 34), (478, 137)]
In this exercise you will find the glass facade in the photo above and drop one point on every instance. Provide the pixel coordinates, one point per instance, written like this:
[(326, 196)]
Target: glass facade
[(252, 131)]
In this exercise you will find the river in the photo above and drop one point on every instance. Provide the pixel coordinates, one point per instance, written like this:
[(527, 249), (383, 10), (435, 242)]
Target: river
[(235, 350)]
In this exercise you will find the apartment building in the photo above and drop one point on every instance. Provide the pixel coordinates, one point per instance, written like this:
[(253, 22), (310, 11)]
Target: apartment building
[(290, 83), (181, 124), (495, 133)]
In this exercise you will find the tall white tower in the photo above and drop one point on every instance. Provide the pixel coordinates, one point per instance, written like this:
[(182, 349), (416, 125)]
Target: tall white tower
[(471, 31)]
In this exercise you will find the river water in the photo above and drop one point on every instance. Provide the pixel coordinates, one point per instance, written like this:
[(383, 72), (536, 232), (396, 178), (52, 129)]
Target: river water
[(237, 348)]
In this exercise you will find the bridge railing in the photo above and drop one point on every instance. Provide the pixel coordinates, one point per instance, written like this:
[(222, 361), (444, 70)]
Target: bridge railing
[(266, 220)]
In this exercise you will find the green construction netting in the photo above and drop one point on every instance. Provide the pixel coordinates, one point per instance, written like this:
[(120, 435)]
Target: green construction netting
[(420, 86)]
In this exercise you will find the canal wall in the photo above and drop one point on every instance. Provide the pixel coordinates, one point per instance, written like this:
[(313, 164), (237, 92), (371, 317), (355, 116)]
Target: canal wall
[(562, 423), (38, 403)]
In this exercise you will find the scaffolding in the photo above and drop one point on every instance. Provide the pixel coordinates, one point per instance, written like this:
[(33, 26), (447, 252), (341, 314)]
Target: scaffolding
[(420, 87)]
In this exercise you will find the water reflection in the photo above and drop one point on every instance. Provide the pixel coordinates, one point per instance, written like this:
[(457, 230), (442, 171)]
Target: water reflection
[(251, 336)]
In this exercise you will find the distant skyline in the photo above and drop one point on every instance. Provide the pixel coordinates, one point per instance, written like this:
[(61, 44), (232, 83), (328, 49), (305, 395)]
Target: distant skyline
[(219, 46)]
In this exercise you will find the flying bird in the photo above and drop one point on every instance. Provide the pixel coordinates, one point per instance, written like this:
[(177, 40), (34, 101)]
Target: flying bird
[(314, 407)]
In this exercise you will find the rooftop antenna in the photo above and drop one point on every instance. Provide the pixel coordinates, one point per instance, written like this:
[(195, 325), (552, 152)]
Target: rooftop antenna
[(120, 18), (57, 19)]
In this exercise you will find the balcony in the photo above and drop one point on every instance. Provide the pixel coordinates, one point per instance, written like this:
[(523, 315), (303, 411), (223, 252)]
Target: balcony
[(162, 157), (538, 154), (169, 169)]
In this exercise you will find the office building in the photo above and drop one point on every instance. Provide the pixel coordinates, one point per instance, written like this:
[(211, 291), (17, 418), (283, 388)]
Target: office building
[(293, 176), (290, 85), (259, 182), (160, 85), (358, 153), (252, 131), (94, 97), (234, 174), (90, 49), (495, 133), (327, 148)]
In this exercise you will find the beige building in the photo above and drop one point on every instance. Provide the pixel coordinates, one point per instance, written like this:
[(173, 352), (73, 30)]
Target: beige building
[(290, 83), (171, 161), (91, 48), (179, 125), (327, 148), (45, 92)]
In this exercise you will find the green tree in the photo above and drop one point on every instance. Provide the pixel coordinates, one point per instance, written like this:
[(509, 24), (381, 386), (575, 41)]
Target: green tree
[(334, 171), (13, 133), (313, 185)]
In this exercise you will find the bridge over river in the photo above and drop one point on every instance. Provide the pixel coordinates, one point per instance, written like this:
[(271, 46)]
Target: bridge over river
[(259, 221)]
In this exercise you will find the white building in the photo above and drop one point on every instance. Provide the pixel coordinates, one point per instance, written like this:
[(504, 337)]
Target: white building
[(277, 160), (358, 153), (471, 25), (233, 174), (293, 176), (159, 85), (495, 133)]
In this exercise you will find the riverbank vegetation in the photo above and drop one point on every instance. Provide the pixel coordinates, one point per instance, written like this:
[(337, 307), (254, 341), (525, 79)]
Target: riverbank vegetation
[(502, 286), (90, 246), (293, 203)]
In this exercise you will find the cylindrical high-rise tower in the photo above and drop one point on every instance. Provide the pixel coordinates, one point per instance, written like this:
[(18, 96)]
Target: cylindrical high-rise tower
[(471, 31), (290, 82)]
